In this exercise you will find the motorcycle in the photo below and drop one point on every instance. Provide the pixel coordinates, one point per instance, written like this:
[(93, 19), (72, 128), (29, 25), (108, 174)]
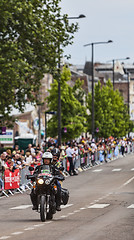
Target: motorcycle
[(45, 188)]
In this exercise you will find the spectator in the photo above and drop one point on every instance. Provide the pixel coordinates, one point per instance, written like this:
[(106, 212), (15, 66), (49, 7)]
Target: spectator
[(76, 153), (3, 158), (82, 152), (101, 152), (94, 150), (70, 154), (38, 158), (123, 144), (9, 164), (8, 151), (2, 149), (16, 149), (86, 152), (28, 158), (55, 150)]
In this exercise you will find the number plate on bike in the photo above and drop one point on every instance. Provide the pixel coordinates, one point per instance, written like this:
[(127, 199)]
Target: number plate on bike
[(45, 174)]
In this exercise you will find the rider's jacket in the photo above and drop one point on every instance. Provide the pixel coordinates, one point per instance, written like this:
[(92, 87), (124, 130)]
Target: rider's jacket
[(57, 168)]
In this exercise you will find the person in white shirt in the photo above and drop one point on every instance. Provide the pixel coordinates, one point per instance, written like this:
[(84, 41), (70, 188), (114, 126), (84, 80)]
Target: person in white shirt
[(75, 155), (70, 155), (94, 149), (123, 144), (28, 159)]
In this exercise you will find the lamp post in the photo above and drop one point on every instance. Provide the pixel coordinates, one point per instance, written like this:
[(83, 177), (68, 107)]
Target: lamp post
[(92, 67), (59, 86), (128, 79), (113, 60), (39, 128)]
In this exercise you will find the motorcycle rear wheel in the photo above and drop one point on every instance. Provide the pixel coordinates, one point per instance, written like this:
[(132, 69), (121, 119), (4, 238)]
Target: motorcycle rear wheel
[(43, 212)]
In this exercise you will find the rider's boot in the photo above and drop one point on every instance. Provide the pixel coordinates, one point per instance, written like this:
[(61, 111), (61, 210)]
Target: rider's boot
[(34, 201), (58, 208), (58, 201)]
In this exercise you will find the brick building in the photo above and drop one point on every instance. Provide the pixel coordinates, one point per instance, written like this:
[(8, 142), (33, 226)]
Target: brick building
[(28, 122)]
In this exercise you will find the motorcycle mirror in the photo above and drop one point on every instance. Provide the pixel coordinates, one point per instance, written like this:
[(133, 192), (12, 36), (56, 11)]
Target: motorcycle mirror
[(30, 168)]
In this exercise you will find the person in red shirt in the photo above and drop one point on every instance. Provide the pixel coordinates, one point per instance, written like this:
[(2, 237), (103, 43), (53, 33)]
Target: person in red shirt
[(9, 163)]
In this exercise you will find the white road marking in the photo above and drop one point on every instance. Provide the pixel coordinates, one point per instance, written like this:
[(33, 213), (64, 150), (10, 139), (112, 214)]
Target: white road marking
[(65, 206), (16, 233), (116, 170), (76, 211), (70, 214), (5, 237), (132, 169), (130, 180), (63, 216), (131, 206), (38, 225), (82, 208), (99, 206), (97, 170), (21, 207), (29, 228), (97, 200)]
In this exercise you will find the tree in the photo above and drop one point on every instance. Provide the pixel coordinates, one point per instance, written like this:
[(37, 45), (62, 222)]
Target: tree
[(111, 114), (79, 92), (72, 112), (30, 34)]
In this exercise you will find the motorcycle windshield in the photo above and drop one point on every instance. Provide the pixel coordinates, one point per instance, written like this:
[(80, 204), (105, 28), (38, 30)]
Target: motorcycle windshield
[(46, 168), (45, 171)]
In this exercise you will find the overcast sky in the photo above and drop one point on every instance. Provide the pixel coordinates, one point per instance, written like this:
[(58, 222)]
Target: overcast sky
[(105, 20)]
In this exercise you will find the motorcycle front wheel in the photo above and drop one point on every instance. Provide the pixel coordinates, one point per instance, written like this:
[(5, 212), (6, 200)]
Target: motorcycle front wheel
[(43, 212)]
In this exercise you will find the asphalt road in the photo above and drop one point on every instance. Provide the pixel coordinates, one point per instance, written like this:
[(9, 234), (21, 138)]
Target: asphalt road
[(101, 207)]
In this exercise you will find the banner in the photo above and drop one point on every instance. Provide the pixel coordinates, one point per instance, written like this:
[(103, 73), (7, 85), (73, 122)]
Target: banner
[(6, 137), (118, 68), (11, 179)]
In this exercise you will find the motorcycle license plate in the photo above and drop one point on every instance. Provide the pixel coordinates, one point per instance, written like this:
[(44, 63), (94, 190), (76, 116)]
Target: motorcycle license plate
[(45, 174)]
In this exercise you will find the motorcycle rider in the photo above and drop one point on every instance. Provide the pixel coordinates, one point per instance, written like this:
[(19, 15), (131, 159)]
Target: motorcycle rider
[(58, 170), (47, 161), (57, 164)]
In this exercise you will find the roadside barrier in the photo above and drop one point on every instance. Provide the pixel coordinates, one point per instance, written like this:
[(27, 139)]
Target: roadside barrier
[(10, 182), (15, 181), (11, 179), (24, 183), (100, 156)]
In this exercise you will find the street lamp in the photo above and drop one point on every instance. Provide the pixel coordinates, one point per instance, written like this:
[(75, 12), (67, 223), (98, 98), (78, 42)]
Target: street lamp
[(92, 44), (113, 60), (59, 87), (80, 16), (128, 79)]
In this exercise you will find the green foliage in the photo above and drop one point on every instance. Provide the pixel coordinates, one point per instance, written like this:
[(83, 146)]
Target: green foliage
[(30, 34), (78, 91), (111, 114), (72, 112)]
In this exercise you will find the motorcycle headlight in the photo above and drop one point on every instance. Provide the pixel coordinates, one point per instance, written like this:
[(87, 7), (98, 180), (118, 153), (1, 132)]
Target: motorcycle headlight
[(47, 182), (40, 181)]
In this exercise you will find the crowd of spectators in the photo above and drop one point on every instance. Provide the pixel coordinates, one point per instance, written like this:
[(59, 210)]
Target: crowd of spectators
[(86, 151)]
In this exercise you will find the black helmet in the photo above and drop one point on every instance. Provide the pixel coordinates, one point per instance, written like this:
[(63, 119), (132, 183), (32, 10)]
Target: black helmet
[(55, 157)]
